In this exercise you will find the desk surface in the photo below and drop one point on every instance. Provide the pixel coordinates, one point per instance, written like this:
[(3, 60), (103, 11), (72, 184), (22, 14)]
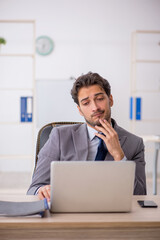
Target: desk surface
[(138, 217)]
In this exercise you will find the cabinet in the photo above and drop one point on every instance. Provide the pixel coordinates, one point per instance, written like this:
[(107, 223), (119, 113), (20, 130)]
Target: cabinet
[(17, 79)]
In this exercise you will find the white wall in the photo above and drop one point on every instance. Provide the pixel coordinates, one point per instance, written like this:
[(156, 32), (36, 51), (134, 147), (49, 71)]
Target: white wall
[(89, 35)]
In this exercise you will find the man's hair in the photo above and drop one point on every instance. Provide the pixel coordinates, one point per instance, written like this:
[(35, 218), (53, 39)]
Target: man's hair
[(87, 80)]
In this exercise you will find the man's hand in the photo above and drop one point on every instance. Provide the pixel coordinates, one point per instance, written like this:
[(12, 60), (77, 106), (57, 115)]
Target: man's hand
[(44, 192), (111, 139)]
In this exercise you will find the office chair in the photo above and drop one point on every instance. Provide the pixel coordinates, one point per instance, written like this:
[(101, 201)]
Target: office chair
[(44, 133)]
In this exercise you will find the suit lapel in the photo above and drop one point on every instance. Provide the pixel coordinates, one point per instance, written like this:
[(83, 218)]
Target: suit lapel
[(120, 132), (122, 140), (80, 140)]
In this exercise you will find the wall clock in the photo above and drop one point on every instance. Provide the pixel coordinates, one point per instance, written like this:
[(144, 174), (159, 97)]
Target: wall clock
[(44, 45)]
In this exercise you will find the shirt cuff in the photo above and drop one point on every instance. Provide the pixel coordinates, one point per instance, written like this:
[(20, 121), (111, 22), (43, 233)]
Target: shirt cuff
[(36, 192), (124, 159)]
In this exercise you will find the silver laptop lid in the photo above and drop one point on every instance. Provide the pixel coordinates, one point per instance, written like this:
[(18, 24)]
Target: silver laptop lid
[(92, 186)]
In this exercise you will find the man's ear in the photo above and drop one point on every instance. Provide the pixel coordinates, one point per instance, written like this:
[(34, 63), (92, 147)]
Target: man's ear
[(111, 100), (79, 109)]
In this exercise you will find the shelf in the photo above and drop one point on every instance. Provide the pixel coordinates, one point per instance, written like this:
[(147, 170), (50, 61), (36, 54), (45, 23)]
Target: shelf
[(144, 85), (15, 123), (145, 91), (15, 156), (145, 120), (16, 89), (9, 88), (17, 21), (145, 61), (17, 55), (148, 31)]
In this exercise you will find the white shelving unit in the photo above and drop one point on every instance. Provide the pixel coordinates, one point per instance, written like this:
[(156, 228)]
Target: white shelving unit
[(145, 84), (145, 81), (18, 62)]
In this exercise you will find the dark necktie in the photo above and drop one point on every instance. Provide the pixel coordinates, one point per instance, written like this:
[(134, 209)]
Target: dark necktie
[(101, 152)]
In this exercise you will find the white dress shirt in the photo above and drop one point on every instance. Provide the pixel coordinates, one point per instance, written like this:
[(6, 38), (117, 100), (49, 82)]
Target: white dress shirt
[(93, 142)]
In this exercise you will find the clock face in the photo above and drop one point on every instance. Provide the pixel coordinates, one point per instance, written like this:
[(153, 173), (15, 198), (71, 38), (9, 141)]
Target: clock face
[(44, 45)]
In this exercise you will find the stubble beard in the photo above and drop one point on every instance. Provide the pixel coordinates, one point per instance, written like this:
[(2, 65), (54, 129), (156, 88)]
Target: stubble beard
[(107, 117)]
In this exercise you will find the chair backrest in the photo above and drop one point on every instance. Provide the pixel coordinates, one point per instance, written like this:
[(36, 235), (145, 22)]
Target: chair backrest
[(44, 133)]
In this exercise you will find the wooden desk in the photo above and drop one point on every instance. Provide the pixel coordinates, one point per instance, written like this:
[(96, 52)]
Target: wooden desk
[(139, 224)]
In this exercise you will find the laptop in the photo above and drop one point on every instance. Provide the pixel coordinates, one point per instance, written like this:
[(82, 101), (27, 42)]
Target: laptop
[(91, 186)]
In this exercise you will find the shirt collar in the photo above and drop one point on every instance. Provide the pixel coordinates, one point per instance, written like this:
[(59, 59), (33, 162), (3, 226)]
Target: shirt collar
[(91, 132)]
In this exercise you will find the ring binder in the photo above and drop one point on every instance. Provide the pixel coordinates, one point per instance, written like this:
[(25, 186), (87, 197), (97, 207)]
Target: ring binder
[(26, 109)]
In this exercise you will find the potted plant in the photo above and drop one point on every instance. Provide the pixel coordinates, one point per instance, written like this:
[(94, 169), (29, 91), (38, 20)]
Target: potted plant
[(2, 41)]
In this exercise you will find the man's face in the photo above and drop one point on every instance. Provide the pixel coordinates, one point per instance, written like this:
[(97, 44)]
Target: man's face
[(94, 104)]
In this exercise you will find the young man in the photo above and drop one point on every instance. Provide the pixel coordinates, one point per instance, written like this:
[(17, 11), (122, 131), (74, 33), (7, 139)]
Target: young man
[(92, 94)]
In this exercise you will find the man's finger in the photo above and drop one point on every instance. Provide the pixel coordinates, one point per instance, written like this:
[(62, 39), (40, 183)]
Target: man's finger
[(44, 192)]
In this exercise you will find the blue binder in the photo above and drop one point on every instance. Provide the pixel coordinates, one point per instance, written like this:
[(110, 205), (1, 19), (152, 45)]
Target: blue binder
[(138, 108), (131, 108), (135, 110), (26, 109)]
